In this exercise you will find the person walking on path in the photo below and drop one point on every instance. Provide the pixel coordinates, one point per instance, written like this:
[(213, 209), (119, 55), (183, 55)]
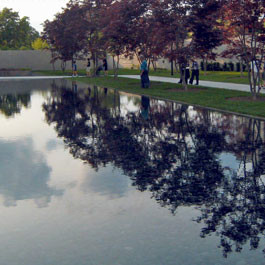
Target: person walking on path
[(74, 67), (144, 73), (194, 72)]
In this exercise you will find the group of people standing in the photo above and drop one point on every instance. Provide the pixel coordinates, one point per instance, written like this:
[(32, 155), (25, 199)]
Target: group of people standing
[(185, 73), (103, 66)]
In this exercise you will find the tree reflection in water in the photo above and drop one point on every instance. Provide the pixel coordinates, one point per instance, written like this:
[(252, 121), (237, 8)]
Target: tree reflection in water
[(174, 152), (11, 104)]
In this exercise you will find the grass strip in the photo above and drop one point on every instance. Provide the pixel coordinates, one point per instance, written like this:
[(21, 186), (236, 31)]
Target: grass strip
[(196, 95)]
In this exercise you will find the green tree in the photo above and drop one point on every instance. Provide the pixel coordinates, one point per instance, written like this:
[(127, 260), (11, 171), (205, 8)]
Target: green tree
[(39, 44), (12, 104), (15, 32)]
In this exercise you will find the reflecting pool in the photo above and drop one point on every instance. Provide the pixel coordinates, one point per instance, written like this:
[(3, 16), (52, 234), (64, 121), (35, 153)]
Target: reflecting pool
[(92, 176)]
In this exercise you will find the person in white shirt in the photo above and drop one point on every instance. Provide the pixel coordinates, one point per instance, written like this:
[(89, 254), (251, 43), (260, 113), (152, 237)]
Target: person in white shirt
[(195, 72)]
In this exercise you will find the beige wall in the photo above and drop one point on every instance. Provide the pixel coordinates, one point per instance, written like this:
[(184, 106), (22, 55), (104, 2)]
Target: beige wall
[(165, 64), (40, 60), (31, 59)]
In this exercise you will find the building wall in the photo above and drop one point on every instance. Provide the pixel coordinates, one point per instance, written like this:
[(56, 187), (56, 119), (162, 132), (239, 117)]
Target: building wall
[(32, 59), (40, 60), (165, 64)]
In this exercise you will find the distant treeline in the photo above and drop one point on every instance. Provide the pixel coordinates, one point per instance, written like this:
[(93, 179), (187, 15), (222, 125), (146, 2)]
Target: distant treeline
[(16, 33)]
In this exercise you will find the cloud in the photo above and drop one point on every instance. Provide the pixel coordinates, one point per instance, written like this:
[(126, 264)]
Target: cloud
[(24, 174), (107, 182)]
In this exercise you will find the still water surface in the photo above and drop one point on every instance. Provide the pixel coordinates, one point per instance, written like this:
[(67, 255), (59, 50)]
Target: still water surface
[(92, 176)]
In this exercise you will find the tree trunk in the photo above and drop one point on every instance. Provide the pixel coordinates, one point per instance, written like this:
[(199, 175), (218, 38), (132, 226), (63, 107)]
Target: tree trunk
[(182, 77), (176, 66), (184, 84), (154, 65), (172, 69), (148, 64), (205, 66), (118, 63), (94, 64), (63, 65), (138, 58), (241, 69), (116, 66), (253, 80)]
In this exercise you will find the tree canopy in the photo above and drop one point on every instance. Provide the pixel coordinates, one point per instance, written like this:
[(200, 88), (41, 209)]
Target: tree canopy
[(15, 32), (180, 30), (39, 44)]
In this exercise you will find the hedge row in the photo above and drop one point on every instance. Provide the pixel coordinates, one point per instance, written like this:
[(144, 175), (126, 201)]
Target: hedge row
[(223, 67)]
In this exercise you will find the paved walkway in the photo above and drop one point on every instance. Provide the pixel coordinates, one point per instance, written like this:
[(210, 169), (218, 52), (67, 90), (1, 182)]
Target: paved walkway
[(202, 83)]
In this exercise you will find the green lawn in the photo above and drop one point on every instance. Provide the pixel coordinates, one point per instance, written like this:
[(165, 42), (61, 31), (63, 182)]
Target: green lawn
[(207, 97), (202, 96)]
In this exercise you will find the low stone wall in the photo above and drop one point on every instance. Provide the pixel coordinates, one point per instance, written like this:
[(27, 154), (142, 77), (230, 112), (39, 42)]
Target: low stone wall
[(12, 72)]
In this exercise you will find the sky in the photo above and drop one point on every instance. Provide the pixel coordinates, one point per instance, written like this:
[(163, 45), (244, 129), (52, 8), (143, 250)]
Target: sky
[(37, 10)]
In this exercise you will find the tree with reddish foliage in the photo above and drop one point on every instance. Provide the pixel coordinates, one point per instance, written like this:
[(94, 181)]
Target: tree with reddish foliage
[(205, 26), (189, 29), (94, 15), (172, 16), (245, 35), (130, 29), (66, 34), (147, 39), (117, 26)]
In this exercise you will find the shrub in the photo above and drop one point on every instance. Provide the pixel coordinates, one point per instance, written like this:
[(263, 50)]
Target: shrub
[(231, 66), (202, 65), (238, 67), (225, 67), (216, 66), (209, 67)]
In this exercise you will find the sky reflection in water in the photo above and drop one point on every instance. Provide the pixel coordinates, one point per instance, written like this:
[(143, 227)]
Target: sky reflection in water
[(91, 176)]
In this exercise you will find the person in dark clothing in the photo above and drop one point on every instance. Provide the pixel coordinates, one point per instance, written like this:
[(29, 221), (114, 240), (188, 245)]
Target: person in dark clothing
[(105, 66), (145, 82), (195, 72), (100, 68), (185, 72)]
